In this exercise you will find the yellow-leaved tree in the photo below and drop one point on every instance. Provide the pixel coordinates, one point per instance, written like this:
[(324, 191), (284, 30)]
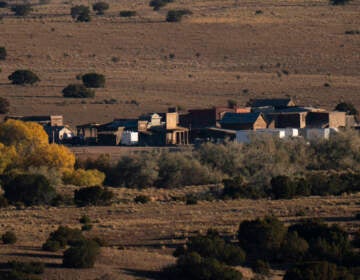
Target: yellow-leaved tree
[(30, 141), (8, 156), (81, 177)]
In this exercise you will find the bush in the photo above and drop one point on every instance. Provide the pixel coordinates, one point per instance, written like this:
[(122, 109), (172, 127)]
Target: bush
[(22, 77), (294, 248), (176, 15), (191, 199), (262, 238), (21, 10), (127, 13), (347, 107), (134, 172), (283, 187), (213, 246), (16, 275), (86, 227), (51, 246), (193, 267), (157, 4), (339, 2), (4, 105), (313, 271), (326, 243), (85, 219), (3, 53), (9, 237), (80, 13), (61, 237), (77, 91), (100, 7), (82, 255), (27, 267), (30, 189), (96, 196), (142, 199), (81, 177), (93, 80), (3, 4)]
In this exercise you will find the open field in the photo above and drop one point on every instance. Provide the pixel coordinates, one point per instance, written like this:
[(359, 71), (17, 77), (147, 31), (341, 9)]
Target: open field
[(141, 237), (223, 51)]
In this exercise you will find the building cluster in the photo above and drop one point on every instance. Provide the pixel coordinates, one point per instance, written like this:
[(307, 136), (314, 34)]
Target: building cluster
[(278, 117)]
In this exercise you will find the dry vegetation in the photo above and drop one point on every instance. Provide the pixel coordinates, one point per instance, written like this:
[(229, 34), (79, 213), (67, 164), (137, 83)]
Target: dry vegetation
[(142, 237), (223, 51)]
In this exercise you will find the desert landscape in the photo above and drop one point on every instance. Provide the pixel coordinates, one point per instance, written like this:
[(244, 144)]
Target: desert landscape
[(142, 237), (225, 50)]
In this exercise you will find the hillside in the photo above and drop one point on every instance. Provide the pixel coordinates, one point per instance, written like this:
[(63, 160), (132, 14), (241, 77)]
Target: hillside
[(225, 50)]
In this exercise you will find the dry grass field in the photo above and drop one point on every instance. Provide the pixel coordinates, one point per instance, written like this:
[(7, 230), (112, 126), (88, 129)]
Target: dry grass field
[(225, 50), (142, 237)]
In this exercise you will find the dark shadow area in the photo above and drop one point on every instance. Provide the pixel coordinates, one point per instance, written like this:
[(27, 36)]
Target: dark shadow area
[(34, 255), (143, 273)]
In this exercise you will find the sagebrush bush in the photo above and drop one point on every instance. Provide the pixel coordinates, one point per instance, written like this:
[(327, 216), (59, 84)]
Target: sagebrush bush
[(93, 80), (81, 255), (9, 237), (96, 196), (22, 77), (78, 91)]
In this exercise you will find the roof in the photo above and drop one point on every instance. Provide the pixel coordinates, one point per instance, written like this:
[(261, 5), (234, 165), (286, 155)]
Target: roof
[(272, 102), (240, 118), (299, 110), (115, 124)]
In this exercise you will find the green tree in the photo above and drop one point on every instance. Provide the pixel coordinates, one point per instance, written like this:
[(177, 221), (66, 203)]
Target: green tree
[(22, 77)]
